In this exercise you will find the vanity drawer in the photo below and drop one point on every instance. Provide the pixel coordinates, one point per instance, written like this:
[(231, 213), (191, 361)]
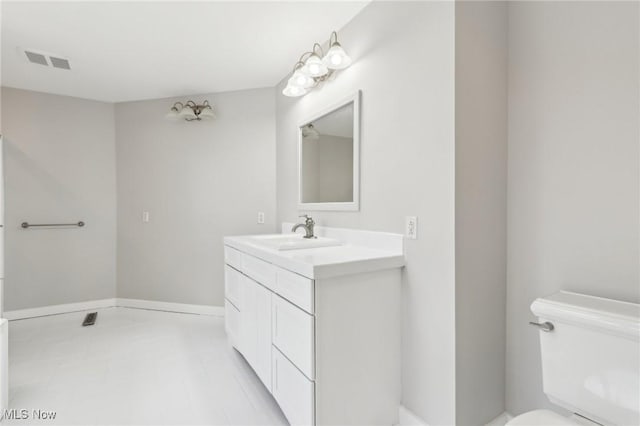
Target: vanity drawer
[(261, 271), (233, 286), (232, 323), (293, 391), (295, 288), (233, 257), (294, 334)]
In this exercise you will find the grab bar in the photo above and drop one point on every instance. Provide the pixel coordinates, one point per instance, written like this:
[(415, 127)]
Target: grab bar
[(26, 225)]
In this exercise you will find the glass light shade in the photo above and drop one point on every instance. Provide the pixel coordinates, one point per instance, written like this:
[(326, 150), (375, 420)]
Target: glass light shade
[(172, 114), (315, 67), (310, 132), (336, 58), (207, 114), (187, 113), (294, 91), (299, 79)]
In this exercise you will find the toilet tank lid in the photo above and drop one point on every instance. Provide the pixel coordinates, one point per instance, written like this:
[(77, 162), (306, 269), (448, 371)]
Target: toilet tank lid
[(617, 317)]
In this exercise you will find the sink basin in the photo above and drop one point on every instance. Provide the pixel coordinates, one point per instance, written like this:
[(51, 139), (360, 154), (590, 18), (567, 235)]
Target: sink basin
[(293, 241)]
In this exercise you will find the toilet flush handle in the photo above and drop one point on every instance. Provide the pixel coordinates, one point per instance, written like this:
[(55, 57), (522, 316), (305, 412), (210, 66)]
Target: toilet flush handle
[(545, 326)]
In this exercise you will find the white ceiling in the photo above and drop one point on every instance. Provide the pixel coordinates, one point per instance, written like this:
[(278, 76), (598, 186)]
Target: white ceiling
[(123, 51)]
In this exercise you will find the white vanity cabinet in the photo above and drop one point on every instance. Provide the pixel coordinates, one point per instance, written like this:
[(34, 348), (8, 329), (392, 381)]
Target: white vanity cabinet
[(248, 320), (255, 329), (233, 289), (326, 345)]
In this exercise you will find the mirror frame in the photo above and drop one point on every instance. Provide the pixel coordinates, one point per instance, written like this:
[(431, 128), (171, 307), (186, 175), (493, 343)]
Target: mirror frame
[(335, 206)]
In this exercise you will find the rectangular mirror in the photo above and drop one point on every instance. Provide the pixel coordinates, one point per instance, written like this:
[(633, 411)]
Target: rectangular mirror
[(329, 158)]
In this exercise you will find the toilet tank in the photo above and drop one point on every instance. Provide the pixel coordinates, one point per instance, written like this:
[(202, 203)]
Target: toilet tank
[(591, 358)]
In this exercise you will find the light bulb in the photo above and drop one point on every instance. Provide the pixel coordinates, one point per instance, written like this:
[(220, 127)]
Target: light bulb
[(314, 66), (315, 69), (336, 58), (299, 79), (187, 113), (294, 91)]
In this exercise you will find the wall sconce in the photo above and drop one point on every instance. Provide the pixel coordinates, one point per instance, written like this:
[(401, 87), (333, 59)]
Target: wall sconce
[(191, 111), (315, 67)]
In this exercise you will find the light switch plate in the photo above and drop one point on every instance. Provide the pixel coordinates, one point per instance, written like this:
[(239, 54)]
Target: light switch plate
[(411, 227), (261, 218), (145, 217)]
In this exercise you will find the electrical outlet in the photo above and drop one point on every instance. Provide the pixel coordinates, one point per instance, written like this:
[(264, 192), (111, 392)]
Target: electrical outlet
[(145, 217), (261, 218), (411, 227)]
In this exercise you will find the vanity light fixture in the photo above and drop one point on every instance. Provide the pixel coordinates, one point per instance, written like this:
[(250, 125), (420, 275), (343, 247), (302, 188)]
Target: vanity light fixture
[(310, 132), (191, 111), (315, 67)]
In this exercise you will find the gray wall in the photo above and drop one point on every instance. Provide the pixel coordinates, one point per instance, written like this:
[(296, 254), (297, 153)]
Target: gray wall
[(407, 168), (573, 167), (328, 165), (59, 155), (199, 181), (481, 209)]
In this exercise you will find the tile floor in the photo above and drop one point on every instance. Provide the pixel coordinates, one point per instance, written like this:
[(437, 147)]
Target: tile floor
[(134, 367)]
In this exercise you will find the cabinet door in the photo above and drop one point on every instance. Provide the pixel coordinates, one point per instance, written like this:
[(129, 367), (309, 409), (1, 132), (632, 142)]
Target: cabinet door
[(231, 323), (256, 329), (263, 335), (249, 321)]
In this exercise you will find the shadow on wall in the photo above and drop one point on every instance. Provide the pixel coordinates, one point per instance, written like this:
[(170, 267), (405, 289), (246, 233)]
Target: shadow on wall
[(48, 181)]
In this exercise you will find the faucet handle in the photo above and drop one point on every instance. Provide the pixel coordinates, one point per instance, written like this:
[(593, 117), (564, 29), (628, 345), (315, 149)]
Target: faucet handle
[(308, 219)]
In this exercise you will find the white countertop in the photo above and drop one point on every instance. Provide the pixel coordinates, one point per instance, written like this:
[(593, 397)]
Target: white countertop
[(321, 262)]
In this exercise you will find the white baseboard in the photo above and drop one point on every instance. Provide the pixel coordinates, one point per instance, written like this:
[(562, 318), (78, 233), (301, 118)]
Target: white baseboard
[(59, 309), (408, 418), (501, 420), (110, 303), (184, 308)]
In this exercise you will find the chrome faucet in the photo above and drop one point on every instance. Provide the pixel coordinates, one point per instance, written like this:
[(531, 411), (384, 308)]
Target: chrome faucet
[(307, 225)]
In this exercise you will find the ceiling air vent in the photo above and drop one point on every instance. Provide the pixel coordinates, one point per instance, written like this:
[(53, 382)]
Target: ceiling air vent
[(59, 63), (36, 58), (46, 59)]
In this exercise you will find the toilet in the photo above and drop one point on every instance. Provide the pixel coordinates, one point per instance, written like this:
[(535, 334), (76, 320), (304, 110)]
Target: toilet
[(590, 348)]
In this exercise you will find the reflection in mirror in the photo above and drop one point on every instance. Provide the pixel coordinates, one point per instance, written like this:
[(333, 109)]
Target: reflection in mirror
[(327, 149)]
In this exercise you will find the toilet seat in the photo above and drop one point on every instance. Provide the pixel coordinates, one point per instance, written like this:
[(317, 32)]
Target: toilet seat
[(541, 418)]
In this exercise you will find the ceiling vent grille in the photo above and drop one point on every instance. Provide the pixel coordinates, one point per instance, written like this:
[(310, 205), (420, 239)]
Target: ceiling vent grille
[(36, 58), (59, 63), (46, 59)]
